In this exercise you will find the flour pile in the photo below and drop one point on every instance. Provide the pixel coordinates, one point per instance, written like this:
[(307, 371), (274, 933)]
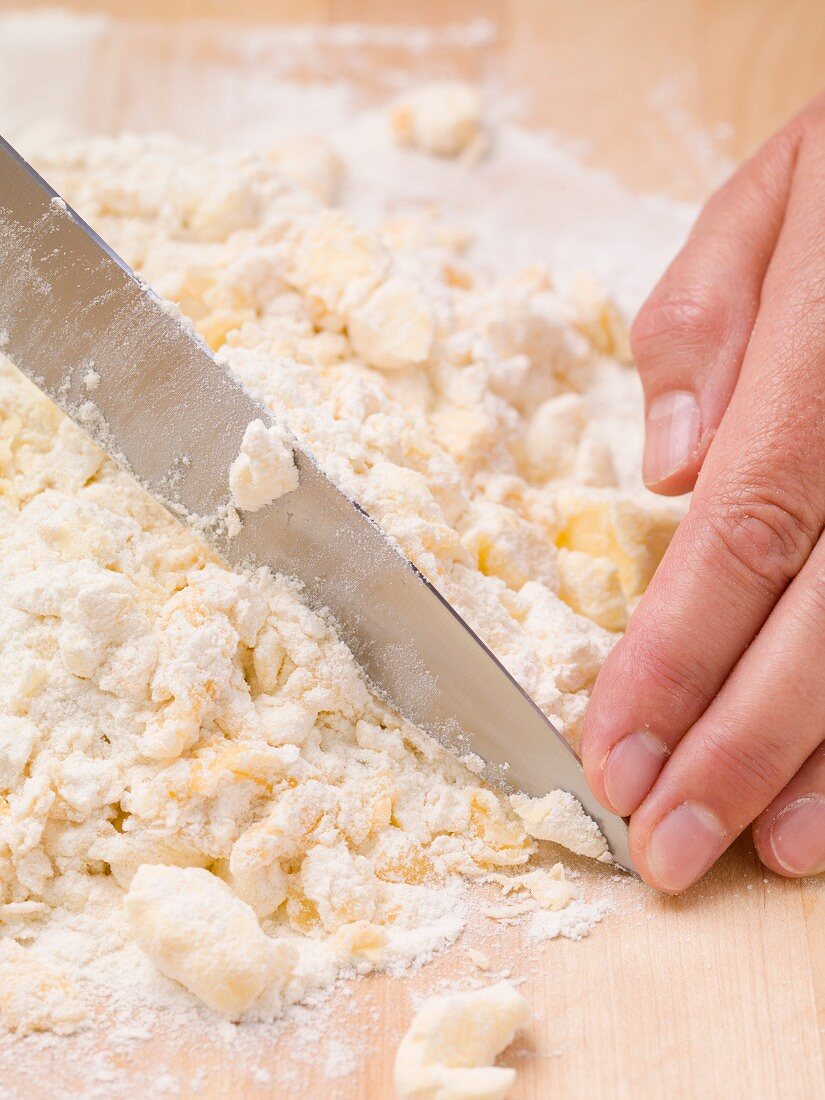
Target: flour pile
[(190, 759)]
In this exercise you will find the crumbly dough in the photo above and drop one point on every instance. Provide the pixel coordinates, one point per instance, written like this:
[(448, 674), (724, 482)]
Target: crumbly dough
[(442, 118), (442, 451), (264, 469), (448, 1051), (168, 721)]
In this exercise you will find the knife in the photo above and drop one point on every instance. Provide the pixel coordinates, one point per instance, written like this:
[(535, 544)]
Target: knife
[(174, 418)]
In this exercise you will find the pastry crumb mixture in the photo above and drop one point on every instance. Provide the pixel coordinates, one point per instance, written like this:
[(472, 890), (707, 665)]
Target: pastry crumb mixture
[(197, 785)]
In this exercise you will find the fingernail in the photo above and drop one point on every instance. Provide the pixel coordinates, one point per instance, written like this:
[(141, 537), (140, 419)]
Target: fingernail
[(671, 434), (631, 770), (798, 836), (683, 846)]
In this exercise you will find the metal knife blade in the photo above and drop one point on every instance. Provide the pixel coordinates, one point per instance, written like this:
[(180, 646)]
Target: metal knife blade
[(174, 418)]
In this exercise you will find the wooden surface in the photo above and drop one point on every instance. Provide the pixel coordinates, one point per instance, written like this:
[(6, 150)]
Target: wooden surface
[(720, 993), (643, 82)]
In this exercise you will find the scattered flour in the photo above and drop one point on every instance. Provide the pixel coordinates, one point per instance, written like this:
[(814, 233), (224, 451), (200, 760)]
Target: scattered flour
[(477, 958), (340, 1060), (34, 994), (571, 923)]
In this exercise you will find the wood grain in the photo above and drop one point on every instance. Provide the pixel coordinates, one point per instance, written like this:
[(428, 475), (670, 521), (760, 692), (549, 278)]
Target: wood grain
[(716, 994), (642, 83), (720, 993)]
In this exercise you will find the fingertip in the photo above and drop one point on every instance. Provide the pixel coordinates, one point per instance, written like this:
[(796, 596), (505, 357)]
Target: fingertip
[(673, 432), (676, 484), (762, 846), (592, 763), (675, 850), (630, 769), (638, 833), (790, 839), (621, 757), (761, 833)]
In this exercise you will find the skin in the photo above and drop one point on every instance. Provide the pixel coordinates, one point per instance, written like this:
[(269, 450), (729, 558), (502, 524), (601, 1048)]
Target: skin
[(719, 676)]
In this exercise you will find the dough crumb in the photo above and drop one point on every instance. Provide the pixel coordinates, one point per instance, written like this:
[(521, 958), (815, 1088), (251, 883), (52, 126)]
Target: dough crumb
[(395, 327), (478, 958), (548, 889), (310, 162), (559, 817), (448, 1051), (197, 932), (265, 468), (442, 118), (593, 588)]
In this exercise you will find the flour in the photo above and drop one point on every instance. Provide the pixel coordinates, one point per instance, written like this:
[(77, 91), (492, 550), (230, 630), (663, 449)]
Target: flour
[(34, 996), (546, 889), (180, 722)]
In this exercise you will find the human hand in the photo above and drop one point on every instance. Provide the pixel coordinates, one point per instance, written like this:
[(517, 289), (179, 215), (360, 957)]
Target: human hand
[(709, 714)]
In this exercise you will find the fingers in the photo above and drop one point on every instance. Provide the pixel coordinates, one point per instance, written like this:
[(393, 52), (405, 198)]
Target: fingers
[(690, 337), (751, 741), (756, 513), (790, 834)]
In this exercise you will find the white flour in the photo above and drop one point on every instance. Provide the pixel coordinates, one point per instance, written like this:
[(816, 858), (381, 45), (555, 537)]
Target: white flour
[(162, 711), (530, 200)]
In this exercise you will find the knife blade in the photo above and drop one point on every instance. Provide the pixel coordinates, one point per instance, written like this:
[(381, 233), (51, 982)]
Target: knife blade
[(174, 418)]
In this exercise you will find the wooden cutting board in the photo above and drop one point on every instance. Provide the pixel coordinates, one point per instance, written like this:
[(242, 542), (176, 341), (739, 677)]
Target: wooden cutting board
[(720, 993)]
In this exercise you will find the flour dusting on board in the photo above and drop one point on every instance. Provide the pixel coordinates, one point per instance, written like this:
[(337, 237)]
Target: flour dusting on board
[(209, 820)]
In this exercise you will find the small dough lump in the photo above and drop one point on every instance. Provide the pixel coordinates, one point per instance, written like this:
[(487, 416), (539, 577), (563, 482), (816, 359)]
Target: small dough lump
[(199, 933), (559, 817), (442, 118), (265, 468), (448, 1052)]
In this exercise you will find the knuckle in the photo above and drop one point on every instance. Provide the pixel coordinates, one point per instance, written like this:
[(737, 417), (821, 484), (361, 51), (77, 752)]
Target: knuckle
[(744, 766), (678, 683), (763, 533), (688, 320)]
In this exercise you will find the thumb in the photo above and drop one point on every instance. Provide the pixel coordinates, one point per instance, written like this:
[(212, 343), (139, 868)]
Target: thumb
[(690, 336)]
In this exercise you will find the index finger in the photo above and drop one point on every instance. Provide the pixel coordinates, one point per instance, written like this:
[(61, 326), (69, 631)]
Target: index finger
[(752, 523)]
